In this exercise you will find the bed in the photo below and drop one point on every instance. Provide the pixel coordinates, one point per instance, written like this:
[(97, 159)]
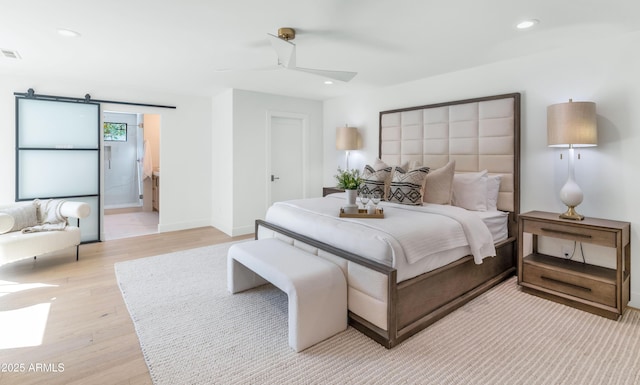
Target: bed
[(398, 285)]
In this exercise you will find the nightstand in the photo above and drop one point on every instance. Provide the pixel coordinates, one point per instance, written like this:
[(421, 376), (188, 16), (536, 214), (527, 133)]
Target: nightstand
[(330, 190), (599, 290)]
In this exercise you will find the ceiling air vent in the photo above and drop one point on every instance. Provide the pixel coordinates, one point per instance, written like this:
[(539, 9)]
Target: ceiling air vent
[(10, 54)]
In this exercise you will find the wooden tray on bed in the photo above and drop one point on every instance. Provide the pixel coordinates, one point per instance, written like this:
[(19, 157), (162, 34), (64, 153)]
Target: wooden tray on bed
[(362, 213)]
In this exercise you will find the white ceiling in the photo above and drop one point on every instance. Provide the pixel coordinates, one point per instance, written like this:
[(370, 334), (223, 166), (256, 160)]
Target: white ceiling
[(187, 46)]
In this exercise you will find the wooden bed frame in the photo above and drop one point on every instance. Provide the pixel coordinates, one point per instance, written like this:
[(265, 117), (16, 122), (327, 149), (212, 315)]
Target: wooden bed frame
[(414, 304)]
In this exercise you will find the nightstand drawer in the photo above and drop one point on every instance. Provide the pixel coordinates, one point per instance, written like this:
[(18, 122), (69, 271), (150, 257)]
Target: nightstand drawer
[(573, 233), (566, 282)]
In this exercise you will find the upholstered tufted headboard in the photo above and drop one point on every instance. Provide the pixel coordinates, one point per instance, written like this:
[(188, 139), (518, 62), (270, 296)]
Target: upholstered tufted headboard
[(482, 133)]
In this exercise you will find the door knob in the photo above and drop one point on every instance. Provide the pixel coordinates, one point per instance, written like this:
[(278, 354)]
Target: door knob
[(273, 177)]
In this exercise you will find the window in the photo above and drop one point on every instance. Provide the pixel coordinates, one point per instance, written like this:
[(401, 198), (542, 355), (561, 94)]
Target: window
[(116, 132)]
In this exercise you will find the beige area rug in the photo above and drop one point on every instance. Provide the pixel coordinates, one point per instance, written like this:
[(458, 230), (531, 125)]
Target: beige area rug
[(192, 331)]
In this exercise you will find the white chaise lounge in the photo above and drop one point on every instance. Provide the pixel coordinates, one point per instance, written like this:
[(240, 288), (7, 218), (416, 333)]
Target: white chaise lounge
[(316, 287), (39, 236)]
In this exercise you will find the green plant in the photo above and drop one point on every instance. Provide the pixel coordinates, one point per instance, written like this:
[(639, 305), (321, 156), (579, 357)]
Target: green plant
[(348, 179)]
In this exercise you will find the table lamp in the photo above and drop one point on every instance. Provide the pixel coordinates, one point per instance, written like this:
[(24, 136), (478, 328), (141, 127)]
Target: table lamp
[(347, 140), (571, 125)]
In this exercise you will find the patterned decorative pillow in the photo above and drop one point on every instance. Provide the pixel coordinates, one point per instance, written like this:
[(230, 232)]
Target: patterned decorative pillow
[(406, 186), (375, 181)]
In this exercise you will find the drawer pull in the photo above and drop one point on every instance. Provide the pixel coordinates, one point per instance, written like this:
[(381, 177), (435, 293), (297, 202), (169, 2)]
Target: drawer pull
[(566, 233), (565, 283)]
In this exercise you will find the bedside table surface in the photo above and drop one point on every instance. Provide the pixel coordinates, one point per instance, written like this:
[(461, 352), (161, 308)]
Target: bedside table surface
[(588, 221)]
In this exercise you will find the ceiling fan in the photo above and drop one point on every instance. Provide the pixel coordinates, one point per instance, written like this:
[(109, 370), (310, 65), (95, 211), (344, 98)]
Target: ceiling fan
[(286, 51)]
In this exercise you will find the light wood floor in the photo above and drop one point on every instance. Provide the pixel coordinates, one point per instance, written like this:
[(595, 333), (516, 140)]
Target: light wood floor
[(88, 329)]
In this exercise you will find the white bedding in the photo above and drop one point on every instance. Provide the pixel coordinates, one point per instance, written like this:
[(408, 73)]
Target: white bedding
[(412, 239), (496, 222)]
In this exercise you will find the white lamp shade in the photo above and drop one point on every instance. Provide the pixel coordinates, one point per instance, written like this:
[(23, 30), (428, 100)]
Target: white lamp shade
[(346, 138), (572, 123)]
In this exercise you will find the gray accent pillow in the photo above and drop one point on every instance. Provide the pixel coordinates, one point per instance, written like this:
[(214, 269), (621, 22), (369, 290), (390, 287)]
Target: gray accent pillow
[(23, 216)]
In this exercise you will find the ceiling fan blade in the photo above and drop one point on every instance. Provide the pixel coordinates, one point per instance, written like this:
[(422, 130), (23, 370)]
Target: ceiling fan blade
[(272, 67), (286, 52), (285, 49), (344, 76)]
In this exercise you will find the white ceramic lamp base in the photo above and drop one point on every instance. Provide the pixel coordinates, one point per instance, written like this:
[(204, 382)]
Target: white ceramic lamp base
[(571, 194), (568, 198)]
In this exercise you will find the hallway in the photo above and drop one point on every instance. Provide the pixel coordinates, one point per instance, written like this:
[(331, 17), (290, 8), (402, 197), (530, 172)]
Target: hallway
[(129, 222)]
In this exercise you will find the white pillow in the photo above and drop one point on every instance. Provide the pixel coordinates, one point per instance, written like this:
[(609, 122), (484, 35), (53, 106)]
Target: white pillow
[(412, 165), (493, 189), (470, 190), (378, 165), (6, 223)]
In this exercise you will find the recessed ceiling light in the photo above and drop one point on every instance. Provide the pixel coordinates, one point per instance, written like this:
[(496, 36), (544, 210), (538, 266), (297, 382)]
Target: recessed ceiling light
[(68, 33), (527, 23), (328, 82)]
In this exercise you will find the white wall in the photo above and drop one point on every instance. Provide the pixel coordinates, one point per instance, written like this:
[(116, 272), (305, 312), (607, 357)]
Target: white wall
[(605, 72), (185, 143), (222, 170), (245, 186), (185, 164)]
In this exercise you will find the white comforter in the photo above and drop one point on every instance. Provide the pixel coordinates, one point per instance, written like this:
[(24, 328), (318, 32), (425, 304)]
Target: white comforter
[(407, 234)]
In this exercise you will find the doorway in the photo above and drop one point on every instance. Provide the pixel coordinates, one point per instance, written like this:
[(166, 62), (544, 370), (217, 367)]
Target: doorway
[(128, 168), (286, 157), (123, 133)]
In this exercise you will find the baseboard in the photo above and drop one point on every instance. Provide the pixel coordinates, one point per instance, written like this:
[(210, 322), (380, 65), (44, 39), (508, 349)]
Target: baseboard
[(222, 227), (635, 300), (243, 230), (165, 227)]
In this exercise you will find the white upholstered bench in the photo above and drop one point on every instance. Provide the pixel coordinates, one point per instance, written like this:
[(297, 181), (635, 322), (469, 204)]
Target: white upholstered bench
[(316, 287)]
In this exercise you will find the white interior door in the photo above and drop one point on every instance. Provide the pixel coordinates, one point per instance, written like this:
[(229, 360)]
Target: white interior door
[(286, 177)]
